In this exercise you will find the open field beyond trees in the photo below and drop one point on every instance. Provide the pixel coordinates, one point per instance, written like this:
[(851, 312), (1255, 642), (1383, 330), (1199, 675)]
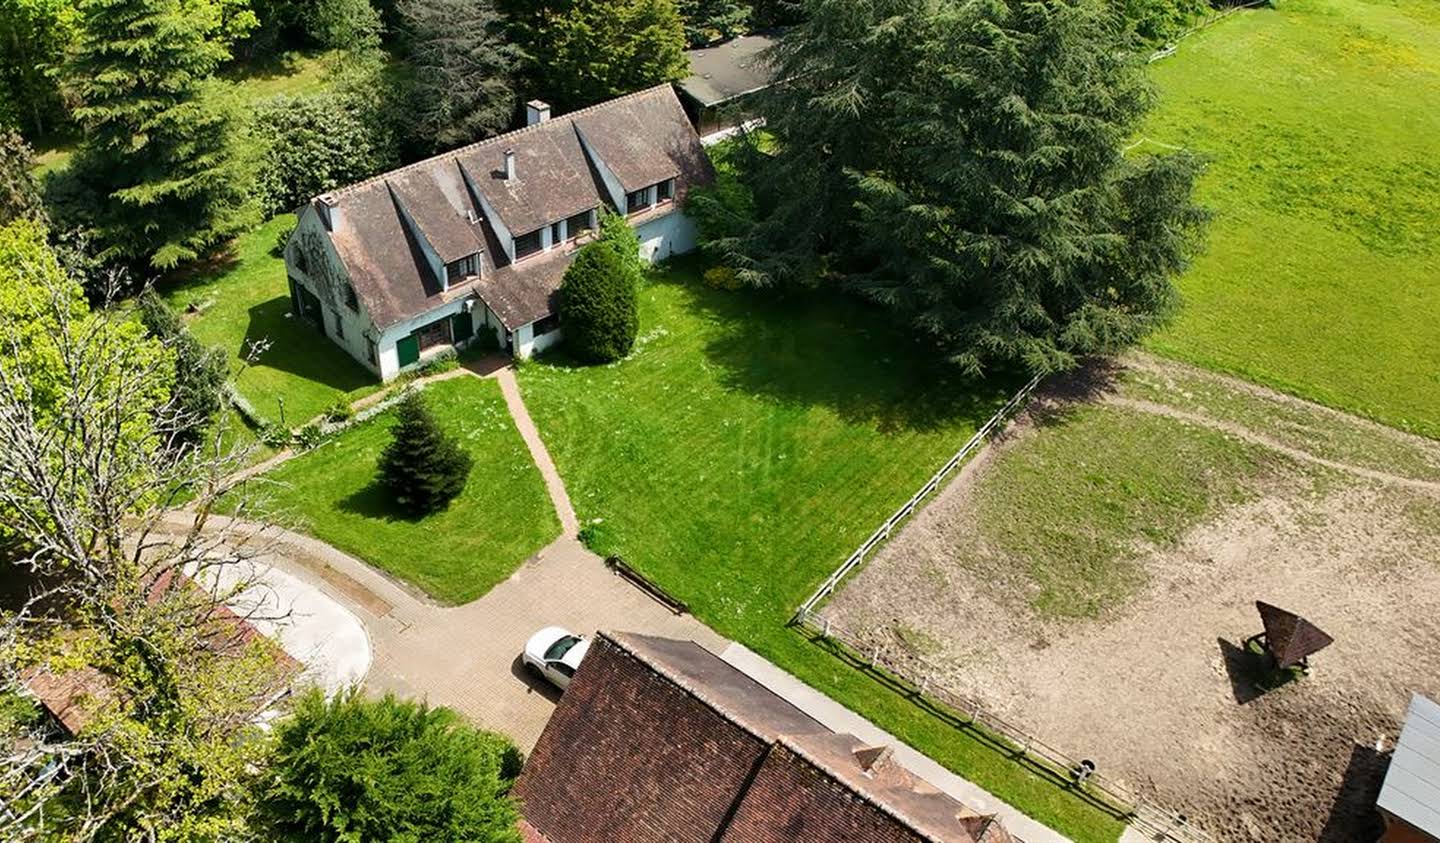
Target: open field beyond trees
[(743, 450), (1321, 121), (1093, 574), (503, 517)]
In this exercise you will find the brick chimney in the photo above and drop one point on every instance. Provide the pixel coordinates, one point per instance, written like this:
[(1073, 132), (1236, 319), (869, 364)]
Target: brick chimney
[(536, 111)]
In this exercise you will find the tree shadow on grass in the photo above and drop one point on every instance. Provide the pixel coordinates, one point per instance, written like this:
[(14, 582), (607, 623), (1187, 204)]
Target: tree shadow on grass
[(830, 350), (373, 501), (299, 348)]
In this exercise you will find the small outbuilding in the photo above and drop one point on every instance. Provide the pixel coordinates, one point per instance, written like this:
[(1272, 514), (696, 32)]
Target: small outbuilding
[(723, 80), (1410, 797)]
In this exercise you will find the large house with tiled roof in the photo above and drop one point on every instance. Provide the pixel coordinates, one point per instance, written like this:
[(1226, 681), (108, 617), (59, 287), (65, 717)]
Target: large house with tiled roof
[(478, 239), (658, 740)]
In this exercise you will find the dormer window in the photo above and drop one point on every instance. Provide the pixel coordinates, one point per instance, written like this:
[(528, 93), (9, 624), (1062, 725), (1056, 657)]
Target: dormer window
[(638, 201), (351, 301), (464, 268), (580, 223), (529, 244), (665, 191)]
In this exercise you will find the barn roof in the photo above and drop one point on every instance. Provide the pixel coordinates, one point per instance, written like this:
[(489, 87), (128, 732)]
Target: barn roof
[(1411, 791), (1290, 637)]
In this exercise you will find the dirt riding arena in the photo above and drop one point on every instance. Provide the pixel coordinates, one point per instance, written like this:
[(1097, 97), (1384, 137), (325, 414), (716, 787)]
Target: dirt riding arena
[(1156, 690)]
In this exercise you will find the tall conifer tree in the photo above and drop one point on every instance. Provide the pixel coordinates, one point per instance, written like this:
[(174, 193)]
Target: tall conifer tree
[(160, 143)]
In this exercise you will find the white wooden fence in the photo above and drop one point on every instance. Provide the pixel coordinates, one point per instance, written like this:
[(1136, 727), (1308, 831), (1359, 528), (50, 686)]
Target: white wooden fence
[(986, 430), (924, 678)]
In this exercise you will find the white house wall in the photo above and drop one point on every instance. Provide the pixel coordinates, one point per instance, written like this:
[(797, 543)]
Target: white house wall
[(672, 234), (357, 324), (390, 356), (528, 345)]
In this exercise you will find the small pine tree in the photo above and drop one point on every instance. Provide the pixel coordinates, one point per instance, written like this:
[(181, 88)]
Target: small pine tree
[(422, 468), (200, 372), (599, 298)]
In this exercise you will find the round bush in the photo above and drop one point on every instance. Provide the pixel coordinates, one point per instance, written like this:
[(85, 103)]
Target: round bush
[(599, 303)]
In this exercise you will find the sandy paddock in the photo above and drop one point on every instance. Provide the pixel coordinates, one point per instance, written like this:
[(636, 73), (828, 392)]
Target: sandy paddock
[(1157, 692)]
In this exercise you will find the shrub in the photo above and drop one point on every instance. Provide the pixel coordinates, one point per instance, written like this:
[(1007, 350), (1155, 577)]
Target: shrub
[(443, 360), (388, 769), (275, 435), (200, 372), (309, 436), (340, 411), (282, 239), (600, 296), (722, 278), (422, 468), (315, 143)]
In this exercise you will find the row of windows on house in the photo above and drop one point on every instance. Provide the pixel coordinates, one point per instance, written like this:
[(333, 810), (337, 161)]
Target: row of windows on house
[(531, 242)]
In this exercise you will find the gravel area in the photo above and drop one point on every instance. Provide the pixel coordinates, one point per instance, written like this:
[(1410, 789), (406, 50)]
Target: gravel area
[(1158, 690)]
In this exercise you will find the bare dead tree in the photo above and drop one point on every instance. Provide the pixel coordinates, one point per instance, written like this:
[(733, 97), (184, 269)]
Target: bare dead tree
[(136, 579)]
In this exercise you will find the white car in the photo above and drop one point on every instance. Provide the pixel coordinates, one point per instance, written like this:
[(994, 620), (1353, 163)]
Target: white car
[(554, 653)]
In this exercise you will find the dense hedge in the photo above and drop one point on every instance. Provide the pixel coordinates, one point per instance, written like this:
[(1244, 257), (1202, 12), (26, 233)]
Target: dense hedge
[(599, 298), (314, 143)]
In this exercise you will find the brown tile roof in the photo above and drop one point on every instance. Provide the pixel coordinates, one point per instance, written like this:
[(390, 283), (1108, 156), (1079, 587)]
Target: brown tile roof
[(640, 136), (707, 753), (74, 697)]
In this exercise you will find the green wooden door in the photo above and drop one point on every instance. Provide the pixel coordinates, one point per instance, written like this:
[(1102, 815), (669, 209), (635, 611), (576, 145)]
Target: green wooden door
[(409, 350), (461, 327)]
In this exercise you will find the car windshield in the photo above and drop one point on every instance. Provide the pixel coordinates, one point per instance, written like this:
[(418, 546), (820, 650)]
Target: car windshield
[(558, 650)]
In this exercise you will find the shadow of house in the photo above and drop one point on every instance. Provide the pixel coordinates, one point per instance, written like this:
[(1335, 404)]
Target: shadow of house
[(1353, 816), (300, 348)]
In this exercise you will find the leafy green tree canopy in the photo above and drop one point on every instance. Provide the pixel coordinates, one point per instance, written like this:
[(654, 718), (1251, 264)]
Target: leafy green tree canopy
[(585, 51), (599, 297), (465, 69), (962, 164), (422, 468), (34, 35), (160, 146), (389, 769), (314, 143)]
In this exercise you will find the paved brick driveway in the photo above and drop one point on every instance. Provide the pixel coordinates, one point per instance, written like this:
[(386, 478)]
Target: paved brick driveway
[(467, 657)]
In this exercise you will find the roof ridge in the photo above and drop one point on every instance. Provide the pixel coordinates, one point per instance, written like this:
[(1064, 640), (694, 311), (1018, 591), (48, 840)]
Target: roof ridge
[(454, 154)]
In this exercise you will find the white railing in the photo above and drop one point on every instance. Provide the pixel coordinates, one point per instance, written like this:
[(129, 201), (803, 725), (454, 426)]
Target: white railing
[(986, 430)]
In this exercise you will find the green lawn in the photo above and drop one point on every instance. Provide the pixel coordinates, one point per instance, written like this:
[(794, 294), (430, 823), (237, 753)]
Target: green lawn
[(744, 450), (501, 519), (246, 299), (1321, 119)]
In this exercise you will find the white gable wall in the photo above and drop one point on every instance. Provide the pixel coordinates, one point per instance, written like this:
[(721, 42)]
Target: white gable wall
[(356, 324)]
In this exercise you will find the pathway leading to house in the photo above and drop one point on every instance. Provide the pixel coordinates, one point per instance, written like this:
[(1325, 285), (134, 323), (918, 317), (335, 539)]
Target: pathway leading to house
[(510, 388)]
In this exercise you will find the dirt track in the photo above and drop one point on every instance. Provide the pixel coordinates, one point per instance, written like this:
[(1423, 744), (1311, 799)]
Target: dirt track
[(1157, 691)]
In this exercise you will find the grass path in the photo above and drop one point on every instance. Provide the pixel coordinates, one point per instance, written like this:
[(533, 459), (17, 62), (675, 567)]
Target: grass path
[(1321, 120)]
